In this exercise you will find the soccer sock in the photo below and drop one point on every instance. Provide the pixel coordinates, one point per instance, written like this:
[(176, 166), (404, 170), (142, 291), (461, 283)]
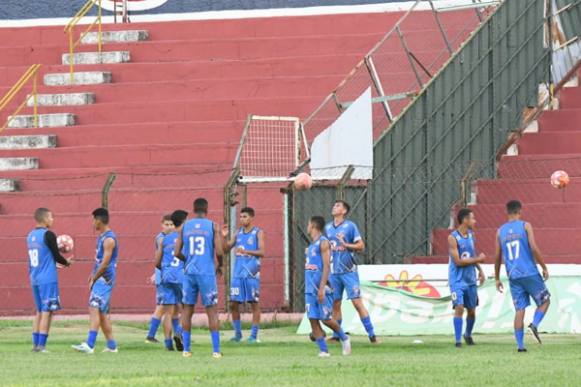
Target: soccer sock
[(341, 334), (538, 317), (35, 337), (215, 340), (519, 334), (368, 326), (177, 328), (168, 343), (458, 328), (334, 333), (111, 344), (92, 338), (186, 337), (322, 344), (469, 326), (42, 338), (237, 324), (254, 331), (153, 326)]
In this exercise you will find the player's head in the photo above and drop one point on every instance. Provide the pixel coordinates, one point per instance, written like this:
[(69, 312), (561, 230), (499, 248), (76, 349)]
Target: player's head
[(466, 218), (316, 225), (201, 207), (100, 218), (167, 225), (513, 208), (246, 216), (43, 217), (340, 208), (178, 217)]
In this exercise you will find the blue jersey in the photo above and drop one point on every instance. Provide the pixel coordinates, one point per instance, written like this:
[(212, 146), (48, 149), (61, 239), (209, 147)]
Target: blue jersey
[(41, 263), (157, 271), (516, 251), (314, 266), (247, 266), (463, 275), (342, 260), (172, 268), (198, 241), (111, 270)]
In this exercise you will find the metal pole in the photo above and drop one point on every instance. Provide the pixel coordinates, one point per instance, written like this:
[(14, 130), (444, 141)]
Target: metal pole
[(410, 60), (441, 28), (71, 57), (106, 188), (378, 86), (34, 98), (100, 11)]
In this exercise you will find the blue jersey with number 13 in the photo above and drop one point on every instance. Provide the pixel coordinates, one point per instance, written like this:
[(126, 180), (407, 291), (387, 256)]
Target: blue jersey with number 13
[(198, 240)]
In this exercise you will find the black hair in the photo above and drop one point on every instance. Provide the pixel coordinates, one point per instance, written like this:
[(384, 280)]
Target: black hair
[(40, 214), (248, 210), (513, 207), (318, 221), (463, 214), (345, 205), (166, 218), (178, 217), (201, 206), (101, 214)]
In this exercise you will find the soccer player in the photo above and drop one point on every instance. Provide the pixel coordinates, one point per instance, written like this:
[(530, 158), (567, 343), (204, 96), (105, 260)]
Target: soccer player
[(345, 241), (43, 255), (101, 283), (515, 242), (167, 227), (199, 245), (245, 285), (318, 293), (170, 288), (462, 275)]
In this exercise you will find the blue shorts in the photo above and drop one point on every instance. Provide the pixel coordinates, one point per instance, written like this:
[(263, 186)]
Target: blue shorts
[(348, 282), (101, 295), (204, 285), (46, 297), (245, 290), (466, 296), (169, 294), (317, 311), (522, 289)]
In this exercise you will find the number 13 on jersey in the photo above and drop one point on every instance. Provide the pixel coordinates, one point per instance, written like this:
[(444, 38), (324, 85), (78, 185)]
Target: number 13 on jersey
[(197, 245)]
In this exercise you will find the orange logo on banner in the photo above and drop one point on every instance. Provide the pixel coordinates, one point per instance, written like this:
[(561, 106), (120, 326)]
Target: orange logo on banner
[(416, 285)]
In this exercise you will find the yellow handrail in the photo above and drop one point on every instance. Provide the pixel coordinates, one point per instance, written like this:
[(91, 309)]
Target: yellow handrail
[(70, 28), (32, 72)]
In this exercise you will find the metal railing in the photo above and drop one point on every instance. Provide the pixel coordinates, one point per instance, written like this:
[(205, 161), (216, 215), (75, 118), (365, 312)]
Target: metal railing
[(70, 29), (31, 73)]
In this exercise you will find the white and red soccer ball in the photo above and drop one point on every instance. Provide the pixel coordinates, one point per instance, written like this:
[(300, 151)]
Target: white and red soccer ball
[(560, 179), (303, 182), (65, 243)]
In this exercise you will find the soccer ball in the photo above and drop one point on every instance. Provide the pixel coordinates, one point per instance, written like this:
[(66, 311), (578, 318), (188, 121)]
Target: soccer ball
[(303, 182), (65, 243), (559, 179)]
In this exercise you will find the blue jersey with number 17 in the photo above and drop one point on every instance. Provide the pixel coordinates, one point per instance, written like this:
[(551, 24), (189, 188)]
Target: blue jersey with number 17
[(41, 264), (516, 251), (198, 246), (172, 268)]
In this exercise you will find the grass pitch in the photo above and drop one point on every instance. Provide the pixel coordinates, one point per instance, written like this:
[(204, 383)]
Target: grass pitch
[(284, 359)]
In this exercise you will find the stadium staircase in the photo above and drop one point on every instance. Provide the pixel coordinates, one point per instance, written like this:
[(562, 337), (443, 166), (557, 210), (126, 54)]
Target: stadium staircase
[(552, 143), (163, 107)]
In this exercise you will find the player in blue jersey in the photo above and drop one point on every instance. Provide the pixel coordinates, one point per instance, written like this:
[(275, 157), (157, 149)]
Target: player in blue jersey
[(101, 283), (515, 243), (345, 242), (245, 284), (199, 245), (462, 275), (171, 317), (43, 256), (318, 292)]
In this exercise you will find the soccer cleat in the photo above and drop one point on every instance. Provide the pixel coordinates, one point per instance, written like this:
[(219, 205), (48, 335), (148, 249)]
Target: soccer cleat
[(84, 348), (186, 354), (374, 340), (109, 350), (170, 349), (43, 350), (253, 340), (346, 345), (236, 339), (333, 339), (217, 355), (312, 337), (522, 350), (458, 345), (535, 333), (35, 349), (469, 340), (179, 344), (324, 354), (151, 340)]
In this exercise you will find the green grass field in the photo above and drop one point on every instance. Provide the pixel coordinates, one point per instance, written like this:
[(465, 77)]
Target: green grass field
[(284, 359)]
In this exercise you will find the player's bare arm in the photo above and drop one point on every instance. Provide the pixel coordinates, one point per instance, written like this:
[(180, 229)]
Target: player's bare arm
[(453, 251), (228, 242), (177, 251), (497, 263), (218, 248), (326, 255), (481, 275), (357, 246), (536, 251), (108, 247), (158, 253)]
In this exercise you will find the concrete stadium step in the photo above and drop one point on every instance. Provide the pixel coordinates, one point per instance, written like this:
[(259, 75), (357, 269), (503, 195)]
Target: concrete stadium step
[(46, 120), (62, 99), (444, 259), (539, 166), (123, 36), (27, 142), (9, 185), (552, 142), (563, 120), (527, 191), (79, 78), (551, 215), (18, 163), (104, 57), (570, 98)]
